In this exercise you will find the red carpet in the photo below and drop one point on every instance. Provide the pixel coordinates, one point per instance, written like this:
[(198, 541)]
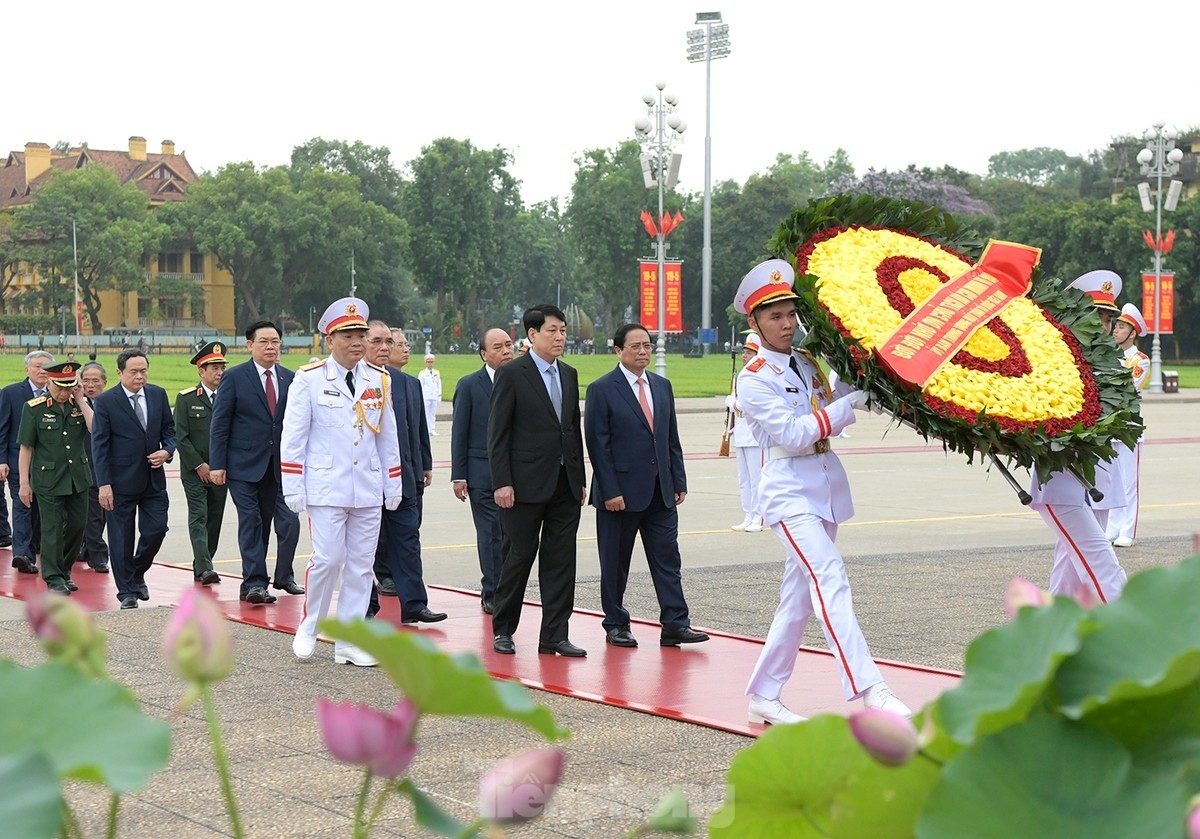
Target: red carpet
[(697, 683)]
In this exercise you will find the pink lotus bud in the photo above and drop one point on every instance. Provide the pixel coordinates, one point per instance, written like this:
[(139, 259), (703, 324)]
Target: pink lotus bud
[(888, 737), (382, 742), (518, 789), (197, 643), (64, 629), (1024, 593), (1193, 818)]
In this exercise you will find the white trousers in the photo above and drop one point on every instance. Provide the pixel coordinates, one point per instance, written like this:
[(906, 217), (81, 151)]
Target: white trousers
[(1122, 521), (343, 541), (749, 466), (814, 582), (431, 406), (1084, 560)]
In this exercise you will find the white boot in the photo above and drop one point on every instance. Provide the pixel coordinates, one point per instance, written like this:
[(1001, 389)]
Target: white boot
[(754, 526), (770, 711)]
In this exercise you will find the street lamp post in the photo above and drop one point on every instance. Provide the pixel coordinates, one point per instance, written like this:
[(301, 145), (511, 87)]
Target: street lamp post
[(1160, 158), (707, 44), (658, 131)]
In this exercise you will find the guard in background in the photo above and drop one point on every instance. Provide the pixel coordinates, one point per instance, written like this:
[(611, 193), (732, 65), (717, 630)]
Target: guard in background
[(749, 453), (55, 466), (205, 500), (803, 497), (1122, 521)]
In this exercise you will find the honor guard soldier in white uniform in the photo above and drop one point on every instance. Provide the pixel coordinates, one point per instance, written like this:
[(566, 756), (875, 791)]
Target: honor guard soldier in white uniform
[(1084, 562), (340, 459), (803, 496), (1122, 521), (749, 453)]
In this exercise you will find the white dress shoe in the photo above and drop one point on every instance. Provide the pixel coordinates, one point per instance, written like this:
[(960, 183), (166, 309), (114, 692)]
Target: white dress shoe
[(355, 656), (880, 697), (754, 526), (1123, 542), (770, 711), (303, 646), (742, 524)]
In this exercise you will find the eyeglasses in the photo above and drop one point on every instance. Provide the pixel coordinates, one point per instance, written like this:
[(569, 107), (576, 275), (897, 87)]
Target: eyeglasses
[(268, 342), (387, 342)]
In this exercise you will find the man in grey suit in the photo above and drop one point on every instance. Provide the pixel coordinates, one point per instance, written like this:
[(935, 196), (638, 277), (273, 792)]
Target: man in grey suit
[(469, 470), (535, 447)]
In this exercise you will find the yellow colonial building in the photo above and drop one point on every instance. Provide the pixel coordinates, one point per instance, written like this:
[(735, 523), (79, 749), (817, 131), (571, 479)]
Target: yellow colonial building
[(163, 177)]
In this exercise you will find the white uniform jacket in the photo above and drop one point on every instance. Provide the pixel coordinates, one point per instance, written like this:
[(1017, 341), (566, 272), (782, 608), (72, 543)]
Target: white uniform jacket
[(793, 417), (339, 449), (431, 384), (1138, 364)]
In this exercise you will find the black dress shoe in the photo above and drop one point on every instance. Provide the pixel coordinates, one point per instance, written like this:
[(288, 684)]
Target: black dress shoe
[(129, 603), (24, 564), (387, 587), (59, 588), (563, 647), (504, 645), (143, 590), (675, 637), (209, 578), (72, 585), (5, 541), (100, 568), (258, 594), (621, 637), (487, 606), (289, 587), (423, 616)]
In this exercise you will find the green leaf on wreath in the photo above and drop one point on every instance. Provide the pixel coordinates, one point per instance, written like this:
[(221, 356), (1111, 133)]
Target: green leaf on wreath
[(88, 729), (440, 683), (31, 806), (1051, 779)]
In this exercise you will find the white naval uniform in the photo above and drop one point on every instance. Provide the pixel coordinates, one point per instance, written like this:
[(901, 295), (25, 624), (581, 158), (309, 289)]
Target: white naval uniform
[(345, 463), (1084, 560), (750, 458), (1122, 521), (803, 497), (431, 392)]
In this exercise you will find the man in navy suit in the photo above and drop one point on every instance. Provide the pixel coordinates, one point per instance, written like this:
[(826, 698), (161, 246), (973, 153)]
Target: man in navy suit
[(247, 423), (133, 436), (637, 484), (26, 526), (469, 470), (398, 554)]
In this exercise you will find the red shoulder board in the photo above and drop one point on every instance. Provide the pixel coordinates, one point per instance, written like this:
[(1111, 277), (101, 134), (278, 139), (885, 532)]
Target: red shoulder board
[(756, 365)]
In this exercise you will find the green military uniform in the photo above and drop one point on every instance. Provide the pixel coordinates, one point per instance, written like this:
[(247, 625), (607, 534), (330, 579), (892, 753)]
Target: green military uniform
[(205, 501), (60, 473)]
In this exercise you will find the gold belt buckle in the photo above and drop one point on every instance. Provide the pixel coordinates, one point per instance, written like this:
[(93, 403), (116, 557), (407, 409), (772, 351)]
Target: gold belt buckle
[(821, 446)]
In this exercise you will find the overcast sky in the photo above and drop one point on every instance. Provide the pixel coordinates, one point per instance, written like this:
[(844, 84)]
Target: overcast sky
[(892, 83)]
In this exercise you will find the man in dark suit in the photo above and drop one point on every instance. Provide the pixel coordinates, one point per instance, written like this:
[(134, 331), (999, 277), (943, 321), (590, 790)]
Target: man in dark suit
[(133, 436), (247, 423), (205, 500), (93, 380), (26, 523), (638, 482), (469, 470), (398, 554), (536, 453)]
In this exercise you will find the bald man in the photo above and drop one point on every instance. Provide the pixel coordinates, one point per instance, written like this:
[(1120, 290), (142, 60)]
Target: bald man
[(469, 471)]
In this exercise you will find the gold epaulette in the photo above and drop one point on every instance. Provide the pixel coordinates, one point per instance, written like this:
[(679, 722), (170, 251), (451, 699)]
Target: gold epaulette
[(196, 390), (756, 365), (38, 400), (312, 365)]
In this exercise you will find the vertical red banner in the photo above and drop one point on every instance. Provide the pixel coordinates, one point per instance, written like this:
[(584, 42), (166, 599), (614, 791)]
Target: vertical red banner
[(1166, 303), (649, 296)]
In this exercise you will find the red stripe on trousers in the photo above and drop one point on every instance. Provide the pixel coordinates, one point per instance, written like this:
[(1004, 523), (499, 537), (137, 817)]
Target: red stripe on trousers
[(1078, 553)]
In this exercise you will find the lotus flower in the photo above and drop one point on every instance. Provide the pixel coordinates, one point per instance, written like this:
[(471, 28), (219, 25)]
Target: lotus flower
[(888, 737), (66, 632), (518, 789), (197, 643), (359, 734), (1193, 818), (1024, 593)]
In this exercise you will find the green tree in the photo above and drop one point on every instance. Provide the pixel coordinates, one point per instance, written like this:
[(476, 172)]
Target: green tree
[(378, 180), (1031, 166)]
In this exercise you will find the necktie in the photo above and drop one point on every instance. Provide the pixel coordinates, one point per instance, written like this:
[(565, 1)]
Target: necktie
[(555, 391), (270, 392), (796, 368), (137, 409), (39, 393), (350, 381), (641, 383)]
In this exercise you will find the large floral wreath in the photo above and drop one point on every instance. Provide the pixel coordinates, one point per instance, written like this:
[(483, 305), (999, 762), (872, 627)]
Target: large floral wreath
[(1040, 384)]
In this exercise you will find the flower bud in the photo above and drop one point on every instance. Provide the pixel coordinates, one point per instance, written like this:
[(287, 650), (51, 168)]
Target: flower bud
[(361, 735), (888, 737), (197, 643), (1024, 593), (518, 789), (63, 628), (1193, 818)]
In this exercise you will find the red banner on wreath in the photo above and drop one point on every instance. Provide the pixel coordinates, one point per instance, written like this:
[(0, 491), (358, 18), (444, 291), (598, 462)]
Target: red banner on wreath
[(1166, 302), (649, 296)]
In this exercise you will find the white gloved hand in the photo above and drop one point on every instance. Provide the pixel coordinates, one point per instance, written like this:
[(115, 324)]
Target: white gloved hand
[(295, 503), (857, 400), (729, 402), (392, 501)]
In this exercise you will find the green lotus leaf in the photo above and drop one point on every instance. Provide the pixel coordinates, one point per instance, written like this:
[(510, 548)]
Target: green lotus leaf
[(31, 805)]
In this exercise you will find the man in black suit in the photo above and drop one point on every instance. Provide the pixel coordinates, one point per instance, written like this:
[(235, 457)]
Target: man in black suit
[(93, 380), (398, 554), (26, 523), (638, 482), (133, 436), (247, 423), (536, 452), (469, 470)]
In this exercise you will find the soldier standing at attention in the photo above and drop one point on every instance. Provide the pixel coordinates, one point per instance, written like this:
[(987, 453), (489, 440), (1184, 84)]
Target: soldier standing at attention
[(54, 465), (205, 500), (431, 389)]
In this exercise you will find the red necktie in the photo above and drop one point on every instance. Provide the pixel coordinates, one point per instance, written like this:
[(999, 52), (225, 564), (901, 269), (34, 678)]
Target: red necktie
[(641, 383), (270, 393)]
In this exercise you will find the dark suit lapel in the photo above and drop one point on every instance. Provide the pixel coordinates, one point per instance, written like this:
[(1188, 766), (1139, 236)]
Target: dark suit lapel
[(621, 385), (485, 383), (537, 380), (658, 393)]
